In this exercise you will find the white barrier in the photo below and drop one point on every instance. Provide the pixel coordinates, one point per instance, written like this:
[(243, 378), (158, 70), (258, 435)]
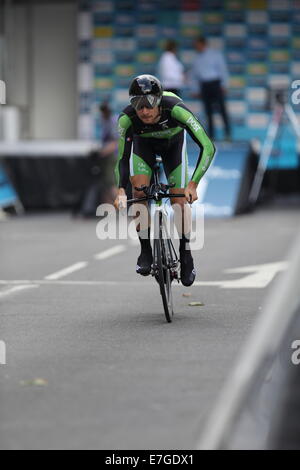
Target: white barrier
[(64, 148)]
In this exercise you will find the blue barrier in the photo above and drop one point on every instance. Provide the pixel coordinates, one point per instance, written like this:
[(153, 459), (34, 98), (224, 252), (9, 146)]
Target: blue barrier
[(225, 188), (8, 196)]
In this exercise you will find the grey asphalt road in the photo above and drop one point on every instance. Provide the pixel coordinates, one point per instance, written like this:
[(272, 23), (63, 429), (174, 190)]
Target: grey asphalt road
[(115, 374)]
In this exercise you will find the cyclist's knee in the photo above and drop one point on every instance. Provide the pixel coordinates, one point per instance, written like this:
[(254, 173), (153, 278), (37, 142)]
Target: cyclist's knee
[(138, 181), (180, 201), (138, 194)]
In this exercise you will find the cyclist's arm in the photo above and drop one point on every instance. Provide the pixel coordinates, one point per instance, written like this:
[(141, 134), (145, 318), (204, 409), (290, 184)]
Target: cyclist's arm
[(124, 150), (207, 149)]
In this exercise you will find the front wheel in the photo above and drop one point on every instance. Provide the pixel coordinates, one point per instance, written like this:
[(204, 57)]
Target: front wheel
[(163, 273)]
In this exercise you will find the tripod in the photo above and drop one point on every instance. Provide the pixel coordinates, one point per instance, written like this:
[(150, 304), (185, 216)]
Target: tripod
[(281, 108)]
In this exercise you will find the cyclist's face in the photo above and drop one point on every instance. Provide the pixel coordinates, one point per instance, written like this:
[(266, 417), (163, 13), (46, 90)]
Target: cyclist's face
[(148, 115)]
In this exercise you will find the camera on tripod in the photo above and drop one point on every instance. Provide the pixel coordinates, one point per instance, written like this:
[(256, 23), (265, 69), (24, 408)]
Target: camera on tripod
[(278, 103)]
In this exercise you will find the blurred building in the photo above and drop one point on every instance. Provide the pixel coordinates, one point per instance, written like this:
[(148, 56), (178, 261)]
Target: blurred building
[(61, 58), (38, 61)]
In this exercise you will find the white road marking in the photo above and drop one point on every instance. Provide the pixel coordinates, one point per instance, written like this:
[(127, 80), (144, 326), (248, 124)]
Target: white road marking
[(115, 250), (260, 276), (208, 283), (44, 282), (14, 290), (66, 271)]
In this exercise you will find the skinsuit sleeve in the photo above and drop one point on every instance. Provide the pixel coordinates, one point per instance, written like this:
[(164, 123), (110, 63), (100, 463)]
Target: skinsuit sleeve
[(207, 149), (124, 150)]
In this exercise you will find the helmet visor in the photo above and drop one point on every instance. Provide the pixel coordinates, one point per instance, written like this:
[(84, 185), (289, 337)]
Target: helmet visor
[(146, 101)]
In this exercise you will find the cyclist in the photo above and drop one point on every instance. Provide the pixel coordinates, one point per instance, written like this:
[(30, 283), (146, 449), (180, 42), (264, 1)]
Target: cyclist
[(155, 123)]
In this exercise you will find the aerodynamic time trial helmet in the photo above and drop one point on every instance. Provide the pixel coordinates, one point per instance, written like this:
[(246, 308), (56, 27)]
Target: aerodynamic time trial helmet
[(145, 91)]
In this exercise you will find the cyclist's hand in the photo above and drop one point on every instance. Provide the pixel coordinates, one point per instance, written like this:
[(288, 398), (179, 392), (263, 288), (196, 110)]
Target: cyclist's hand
[(121, 199), (191, 192)]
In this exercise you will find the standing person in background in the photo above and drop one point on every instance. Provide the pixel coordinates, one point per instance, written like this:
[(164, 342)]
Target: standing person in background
[(170, 69), (108, 152), (100, 185), (209, 80), (109, 132)]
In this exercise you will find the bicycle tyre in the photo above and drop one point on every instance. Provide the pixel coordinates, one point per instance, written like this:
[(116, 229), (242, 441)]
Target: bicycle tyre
[(164, 275)]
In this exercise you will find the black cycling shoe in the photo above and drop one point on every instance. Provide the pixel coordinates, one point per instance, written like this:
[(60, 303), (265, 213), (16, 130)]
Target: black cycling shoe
[(188, 273), (144, 263)]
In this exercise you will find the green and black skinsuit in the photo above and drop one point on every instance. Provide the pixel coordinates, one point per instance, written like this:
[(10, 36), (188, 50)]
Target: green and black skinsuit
[(139, 143)]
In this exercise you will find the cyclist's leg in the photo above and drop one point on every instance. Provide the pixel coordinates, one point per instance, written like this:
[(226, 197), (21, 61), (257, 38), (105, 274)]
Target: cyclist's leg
[(142, 160), (141, 164), (176, 166), (142, 223)]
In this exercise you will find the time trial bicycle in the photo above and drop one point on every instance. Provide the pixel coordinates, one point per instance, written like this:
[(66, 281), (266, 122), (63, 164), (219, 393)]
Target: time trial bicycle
[(166, 263)]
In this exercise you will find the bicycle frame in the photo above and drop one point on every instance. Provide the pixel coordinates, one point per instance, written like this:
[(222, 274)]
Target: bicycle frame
[(160, 208)]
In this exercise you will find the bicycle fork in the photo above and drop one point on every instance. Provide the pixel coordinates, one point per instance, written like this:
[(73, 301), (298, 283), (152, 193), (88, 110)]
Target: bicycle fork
[(161, 232)]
